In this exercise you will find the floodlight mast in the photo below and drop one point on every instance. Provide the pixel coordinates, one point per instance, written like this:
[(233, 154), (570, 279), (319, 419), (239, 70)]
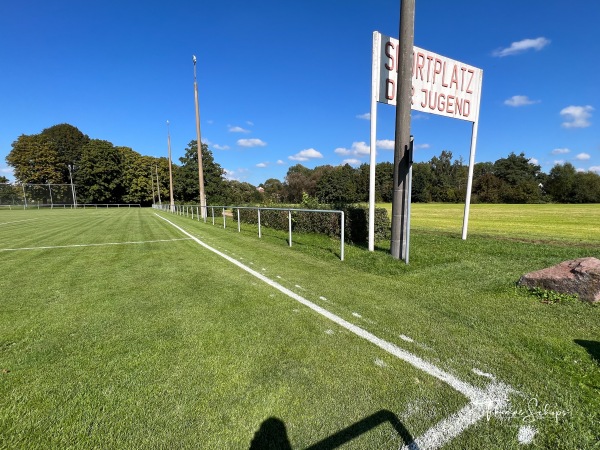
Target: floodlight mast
[(172, 202), (199, 145), (401, 195)]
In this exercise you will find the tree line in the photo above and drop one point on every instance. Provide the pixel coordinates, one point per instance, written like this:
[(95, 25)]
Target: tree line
[(104, 173)]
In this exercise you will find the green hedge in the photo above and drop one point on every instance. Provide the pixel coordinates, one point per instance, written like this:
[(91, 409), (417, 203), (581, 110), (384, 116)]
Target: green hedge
[(356, 222)]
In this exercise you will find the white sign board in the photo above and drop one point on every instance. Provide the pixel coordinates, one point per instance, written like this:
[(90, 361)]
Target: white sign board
[(440, 85)]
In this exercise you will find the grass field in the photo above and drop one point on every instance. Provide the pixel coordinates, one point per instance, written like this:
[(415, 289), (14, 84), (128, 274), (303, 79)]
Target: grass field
[(118, 330)]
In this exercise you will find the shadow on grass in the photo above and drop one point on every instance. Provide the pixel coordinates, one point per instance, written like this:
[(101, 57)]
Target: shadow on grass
[(272, 434), (592, 347)]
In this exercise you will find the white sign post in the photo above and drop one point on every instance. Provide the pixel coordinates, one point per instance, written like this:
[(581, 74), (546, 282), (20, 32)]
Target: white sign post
[(440, 86)]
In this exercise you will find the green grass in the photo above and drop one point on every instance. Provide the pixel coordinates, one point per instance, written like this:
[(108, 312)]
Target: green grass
[(164, 344)]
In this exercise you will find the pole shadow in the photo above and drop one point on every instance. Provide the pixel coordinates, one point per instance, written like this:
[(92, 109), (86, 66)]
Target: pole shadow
[(592, 347), (272, 434)]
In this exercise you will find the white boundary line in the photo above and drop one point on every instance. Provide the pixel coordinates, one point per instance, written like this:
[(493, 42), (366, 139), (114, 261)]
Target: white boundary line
[(482, 402), (17, 221), (89, 245)]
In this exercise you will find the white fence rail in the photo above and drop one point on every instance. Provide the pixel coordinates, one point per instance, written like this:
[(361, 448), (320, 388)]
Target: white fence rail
[(189, 210)]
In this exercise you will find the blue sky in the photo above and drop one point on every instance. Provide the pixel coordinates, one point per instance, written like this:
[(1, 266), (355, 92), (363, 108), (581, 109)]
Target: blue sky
[(282, 83)]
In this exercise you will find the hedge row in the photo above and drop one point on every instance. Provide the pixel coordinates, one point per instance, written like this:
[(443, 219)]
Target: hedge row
[(356, 222)]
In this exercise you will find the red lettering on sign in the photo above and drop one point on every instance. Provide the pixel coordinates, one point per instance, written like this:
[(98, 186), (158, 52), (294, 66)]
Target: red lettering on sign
[(437, 68), (429, 59), (424, 102), (390, 55), (419, 64), (472, 72), (450, 104), (390, 90), (454, 79)]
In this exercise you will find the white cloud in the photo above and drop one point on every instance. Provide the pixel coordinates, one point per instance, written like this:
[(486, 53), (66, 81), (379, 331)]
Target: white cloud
[(230, 175), (417, 116), (305, 155), (520, 100), (583, 157), (580, 170), (534, 161), (595, 169), (577, 116), (365, 116), (522, 46), (233, 129), (357, 149), (249, 122), (262, 164), (559, 162), (251, 143), (280, 162), (560, 151), (220, 147), (385, 144), (422, 146), (352, 161)]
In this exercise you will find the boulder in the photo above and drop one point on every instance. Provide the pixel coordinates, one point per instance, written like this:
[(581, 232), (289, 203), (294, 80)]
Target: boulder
[(578, 276)]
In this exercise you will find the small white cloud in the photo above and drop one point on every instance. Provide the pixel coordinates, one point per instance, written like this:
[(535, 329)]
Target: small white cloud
[(220, 147), (352, 161), (251, 143), (417, 116), (305, 155), (230, 175), (595, 169), (559, 161), (522, 46), (280, 162), (233, 129), (560, 151), (385, 144), (262, 164), (577, 116), (210, 122), (422, 146), (533, 161), (583, 157), (520, 100), (249, 122), (365, 116), (357, 149)]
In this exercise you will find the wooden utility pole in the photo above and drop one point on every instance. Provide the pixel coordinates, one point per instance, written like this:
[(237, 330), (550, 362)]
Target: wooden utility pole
[(198, 140), (401, 195)]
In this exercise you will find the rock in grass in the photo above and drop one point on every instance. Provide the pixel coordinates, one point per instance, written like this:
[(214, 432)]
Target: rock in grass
[(578, 276)]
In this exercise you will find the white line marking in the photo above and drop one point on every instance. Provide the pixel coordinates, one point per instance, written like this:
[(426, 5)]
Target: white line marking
[(526, 434), (482, 402), (17, 221), (406, 338), (89, 245)]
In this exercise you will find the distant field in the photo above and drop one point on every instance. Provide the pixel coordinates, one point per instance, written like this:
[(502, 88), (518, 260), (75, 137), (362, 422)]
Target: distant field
[(120, 330), (551, 222)]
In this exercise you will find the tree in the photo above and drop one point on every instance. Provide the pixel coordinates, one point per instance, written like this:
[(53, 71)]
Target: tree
[(100, 175), (136, 179), (521, 178), (68, 142), (298, 181), (384, 182), (35, 160), (186, 177), (560, 184), (273, 190), (3, 179), (338, 186)]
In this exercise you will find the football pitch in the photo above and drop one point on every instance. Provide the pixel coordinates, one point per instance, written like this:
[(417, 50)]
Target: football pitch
[(134, 328)]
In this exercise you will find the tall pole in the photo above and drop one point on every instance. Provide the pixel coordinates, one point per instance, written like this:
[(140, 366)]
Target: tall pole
[(158, 186), (72, 185), (199, 142), (172, 201), (401, 197), (152, 181)]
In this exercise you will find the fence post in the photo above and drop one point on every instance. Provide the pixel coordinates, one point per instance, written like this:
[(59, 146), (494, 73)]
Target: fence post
[(213, 213), (290, 224), (223, 217), (239, 227), (259, 234), (342, 238)]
